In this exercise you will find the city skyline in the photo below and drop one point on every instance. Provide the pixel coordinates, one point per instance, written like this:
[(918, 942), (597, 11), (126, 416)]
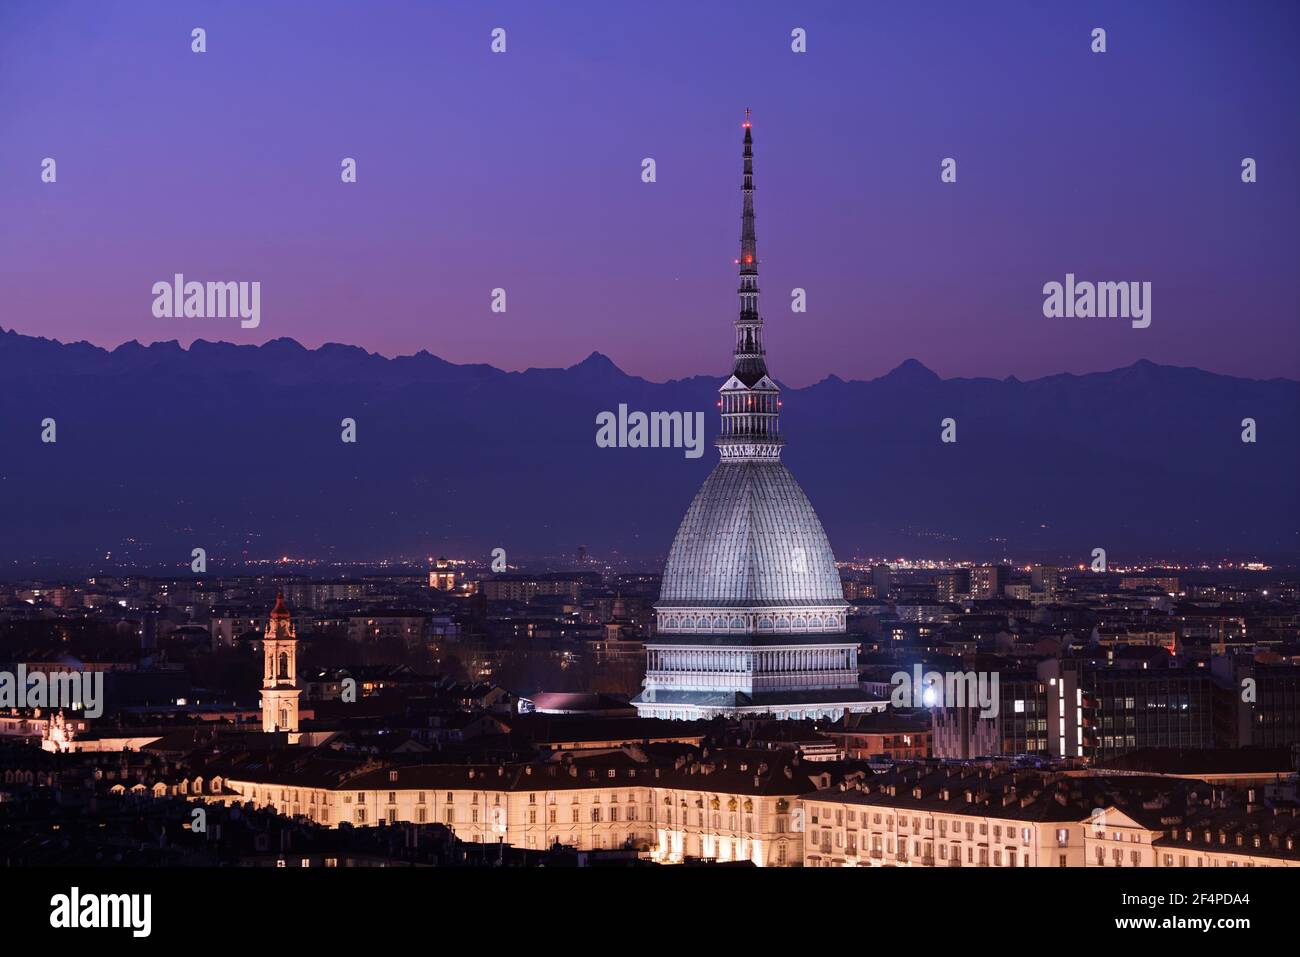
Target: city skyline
[(388, 478)]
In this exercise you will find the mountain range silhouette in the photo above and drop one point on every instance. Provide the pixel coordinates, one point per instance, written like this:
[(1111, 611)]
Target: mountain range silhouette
[(236, 449)]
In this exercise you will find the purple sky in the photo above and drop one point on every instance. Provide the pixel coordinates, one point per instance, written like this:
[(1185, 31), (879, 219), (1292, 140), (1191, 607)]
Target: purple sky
[(523, 171)]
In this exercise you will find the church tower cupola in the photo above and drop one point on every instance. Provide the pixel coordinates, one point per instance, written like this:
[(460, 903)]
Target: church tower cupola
[(280, 689)]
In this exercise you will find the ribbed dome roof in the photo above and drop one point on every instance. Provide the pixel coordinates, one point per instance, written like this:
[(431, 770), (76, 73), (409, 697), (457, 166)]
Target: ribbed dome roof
[(750, 537)]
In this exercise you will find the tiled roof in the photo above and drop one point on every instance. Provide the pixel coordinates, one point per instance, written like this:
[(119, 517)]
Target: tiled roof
[(730, 771), (1235, 831), (990, 792)]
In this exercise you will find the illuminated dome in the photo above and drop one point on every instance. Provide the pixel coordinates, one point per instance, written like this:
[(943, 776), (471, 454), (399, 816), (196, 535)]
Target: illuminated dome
[(751, 617), (750, 538)]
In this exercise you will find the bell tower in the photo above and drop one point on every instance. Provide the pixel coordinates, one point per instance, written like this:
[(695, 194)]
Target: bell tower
[(280, 689)]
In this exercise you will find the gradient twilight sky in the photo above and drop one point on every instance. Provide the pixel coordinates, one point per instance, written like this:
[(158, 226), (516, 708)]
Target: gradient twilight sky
[(523, 171)]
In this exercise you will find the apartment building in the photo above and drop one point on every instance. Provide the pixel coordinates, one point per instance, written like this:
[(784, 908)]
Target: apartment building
[(955, 816), (960, 816), (1215, 833)]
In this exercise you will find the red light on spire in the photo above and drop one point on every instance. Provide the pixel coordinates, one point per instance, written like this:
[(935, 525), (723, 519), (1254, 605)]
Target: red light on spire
[(746, 123)]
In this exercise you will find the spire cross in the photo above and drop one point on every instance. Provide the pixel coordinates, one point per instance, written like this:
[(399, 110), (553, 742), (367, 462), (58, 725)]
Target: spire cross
[(747, 112)]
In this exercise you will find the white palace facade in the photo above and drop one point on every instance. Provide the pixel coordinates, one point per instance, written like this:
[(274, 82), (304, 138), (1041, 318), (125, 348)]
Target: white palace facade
[(738, 804)]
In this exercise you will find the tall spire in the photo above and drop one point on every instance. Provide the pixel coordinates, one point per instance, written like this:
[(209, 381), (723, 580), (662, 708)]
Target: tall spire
[(749, 366), (750, 400), (748, 245)]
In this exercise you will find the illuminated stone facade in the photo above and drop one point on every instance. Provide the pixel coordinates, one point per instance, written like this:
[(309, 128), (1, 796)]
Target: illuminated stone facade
[(734, 805), (1155, 837), (982, 817), (751, 613), (280, 689), (775, 810)]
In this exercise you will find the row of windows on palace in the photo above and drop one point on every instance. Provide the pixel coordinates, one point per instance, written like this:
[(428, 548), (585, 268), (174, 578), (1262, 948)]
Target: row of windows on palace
[(1007, 833), (597, 813), (841, 832), (836, 834)]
